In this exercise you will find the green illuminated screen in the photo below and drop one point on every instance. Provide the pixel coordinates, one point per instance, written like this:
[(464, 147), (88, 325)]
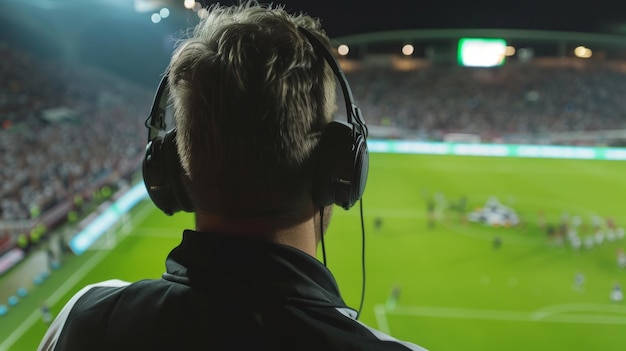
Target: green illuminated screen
[(481, 52)]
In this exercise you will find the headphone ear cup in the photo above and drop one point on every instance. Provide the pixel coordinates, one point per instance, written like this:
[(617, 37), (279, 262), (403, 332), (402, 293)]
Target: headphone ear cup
[(163, 174), (343, 162)]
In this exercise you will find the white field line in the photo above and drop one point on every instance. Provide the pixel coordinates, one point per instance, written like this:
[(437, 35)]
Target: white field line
[(381, 319), (551, 314), (65, 288), (611, 309)]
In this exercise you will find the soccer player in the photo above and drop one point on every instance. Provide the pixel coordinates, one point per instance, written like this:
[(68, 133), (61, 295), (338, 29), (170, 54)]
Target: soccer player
[(497, 242), (579, 282), (378, 223), (616, 293), (394, 296), (430, 213), (621, 258), (589, 242), (254, 156), (46, 314)]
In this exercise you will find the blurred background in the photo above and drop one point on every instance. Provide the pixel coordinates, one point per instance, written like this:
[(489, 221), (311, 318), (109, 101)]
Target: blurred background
[(495, 202)]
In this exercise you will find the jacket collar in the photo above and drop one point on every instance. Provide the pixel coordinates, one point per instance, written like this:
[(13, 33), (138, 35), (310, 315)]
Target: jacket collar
[(251, 269)]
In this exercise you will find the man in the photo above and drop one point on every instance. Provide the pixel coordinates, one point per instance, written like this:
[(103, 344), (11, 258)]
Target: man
[(616, 293), (253, 100)]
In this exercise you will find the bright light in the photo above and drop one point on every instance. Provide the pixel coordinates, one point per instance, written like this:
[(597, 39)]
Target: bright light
[(156, 18), (343, 50), (408, 50), (197, 6), (583, 52), (203, 13), (165, 12), (509, 51), (481, 52), (189, 4), (141, 6)]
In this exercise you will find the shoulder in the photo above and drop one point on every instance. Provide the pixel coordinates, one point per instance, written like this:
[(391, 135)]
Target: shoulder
[(138, 315), (54, 331), (105, 286)]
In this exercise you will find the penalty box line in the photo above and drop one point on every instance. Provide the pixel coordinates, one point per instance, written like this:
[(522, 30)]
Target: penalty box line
[(553, 314)]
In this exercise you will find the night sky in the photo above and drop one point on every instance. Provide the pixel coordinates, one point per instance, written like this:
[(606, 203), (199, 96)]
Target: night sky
[(349, 16)]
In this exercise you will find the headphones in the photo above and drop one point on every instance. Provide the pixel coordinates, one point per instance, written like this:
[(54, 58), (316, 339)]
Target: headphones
[(343, 158)]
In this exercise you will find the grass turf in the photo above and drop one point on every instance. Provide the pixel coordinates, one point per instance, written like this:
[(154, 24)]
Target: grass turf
[(457, 290)]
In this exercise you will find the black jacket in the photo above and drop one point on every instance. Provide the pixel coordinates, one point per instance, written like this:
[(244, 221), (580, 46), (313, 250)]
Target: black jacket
[(219, 293)]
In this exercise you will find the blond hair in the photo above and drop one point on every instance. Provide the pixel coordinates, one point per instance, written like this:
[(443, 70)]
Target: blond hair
[(250, 99)]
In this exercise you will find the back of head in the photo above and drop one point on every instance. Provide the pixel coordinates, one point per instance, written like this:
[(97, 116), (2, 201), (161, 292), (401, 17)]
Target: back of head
[(250, 100)]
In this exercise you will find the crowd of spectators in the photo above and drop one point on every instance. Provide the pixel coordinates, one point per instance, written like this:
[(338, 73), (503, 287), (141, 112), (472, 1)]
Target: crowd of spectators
[(502, 103), (44, 162)]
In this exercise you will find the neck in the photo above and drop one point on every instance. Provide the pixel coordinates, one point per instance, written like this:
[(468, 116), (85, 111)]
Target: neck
[(299, 233)]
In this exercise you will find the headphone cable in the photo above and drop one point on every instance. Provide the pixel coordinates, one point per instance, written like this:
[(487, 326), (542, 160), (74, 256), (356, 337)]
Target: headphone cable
[(322, 235), (358, 314)]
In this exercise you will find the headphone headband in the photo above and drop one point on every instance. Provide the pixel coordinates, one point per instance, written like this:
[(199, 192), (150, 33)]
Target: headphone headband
[(156, 120), (353, 112)]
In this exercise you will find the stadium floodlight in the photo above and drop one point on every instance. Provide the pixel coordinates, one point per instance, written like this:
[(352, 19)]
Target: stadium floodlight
[(583, 52), (156, 18), (509, 50), (141, 6), (408, 49), (189, 4), (481, 52), (343, 49)]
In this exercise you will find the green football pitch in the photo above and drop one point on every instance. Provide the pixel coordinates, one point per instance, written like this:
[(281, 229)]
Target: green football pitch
[(457, 290)]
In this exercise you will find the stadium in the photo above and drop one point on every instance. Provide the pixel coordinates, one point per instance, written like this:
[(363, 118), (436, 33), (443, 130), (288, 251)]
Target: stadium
[(493, 213)]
